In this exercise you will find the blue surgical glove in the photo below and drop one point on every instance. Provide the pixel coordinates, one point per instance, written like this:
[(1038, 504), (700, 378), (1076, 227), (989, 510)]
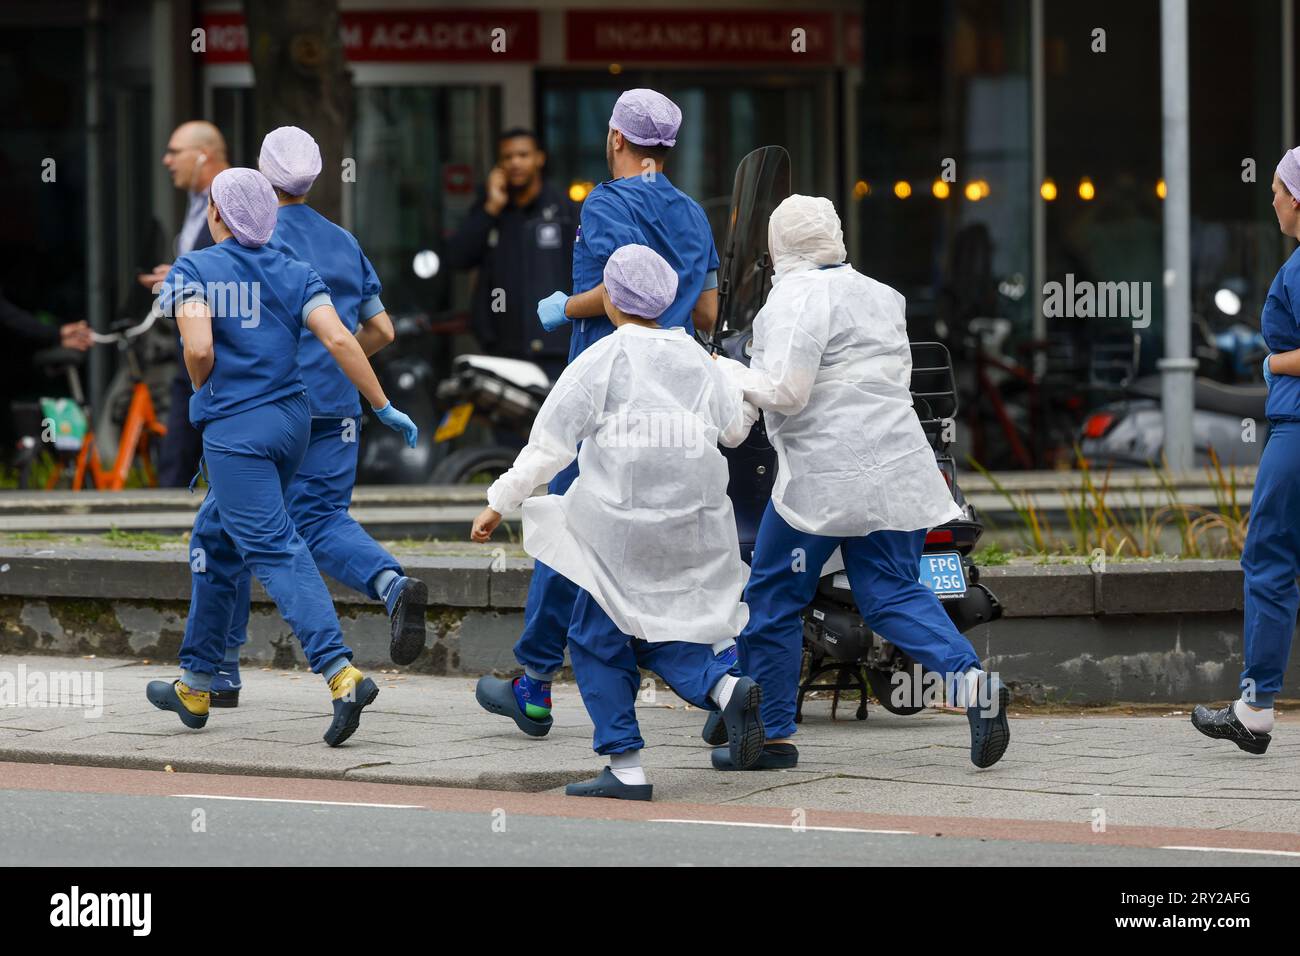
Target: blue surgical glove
[(399, 422), (1269, 377), (551, 311)]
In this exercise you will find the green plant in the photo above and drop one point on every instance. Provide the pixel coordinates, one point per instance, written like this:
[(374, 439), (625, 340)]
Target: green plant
[(139, 540), (1119, 529), (991, 555)]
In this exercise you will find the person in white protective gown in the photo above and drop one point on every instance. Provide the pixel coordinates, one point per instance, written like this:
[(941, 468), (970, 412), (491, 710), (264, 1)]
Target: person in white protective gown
[(646, 531), (831, 368)]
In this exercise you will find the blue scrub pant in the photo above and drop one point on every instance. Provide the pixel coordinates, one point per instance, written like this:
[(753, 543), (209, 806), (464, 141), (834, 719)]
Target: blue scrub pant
[(317, 499), (251, 457), (605, 662), (1271, 561), (549, 608), (882, 568)]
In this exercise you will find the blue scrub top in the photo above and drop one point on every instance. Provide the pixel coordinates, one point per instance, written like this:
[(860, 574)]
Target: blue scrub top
[(304, 234), (259, 300), (650, 212), (1282, 334)]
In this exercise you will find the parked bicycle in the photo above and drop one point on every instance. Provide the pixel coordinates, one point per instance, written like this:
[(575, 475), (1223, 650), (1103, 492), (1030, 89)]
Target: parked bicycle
[(61, 428)]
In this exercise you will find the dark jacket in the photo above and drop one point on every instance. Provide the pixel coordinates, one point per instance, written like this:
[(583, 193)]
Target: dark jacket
[(527, 253), (20, 325)]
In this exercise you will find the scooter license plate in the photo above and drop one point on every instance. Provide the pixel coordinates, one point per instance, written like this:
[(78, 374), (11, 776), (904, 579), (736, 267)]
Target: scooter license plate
[(943, 574), (453, 424)]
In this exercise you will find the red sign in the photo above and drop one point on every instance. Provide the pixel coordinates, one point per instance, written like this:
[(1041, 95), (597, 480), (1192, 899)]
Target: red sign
[(624, 36), (457, 178), (440, 36)]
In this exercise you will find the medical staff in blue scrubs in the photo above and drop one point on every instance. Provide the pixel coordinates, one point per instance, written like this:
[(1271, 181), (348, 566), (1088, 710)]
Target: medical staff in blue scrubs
[(831, 369), (320, 494), (637, 206), (241, 308), (1270, 561)]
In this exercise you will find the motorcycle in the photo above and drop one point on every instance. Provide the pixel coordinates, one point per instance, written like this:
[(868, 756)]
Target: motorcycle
[(406, 372), (1228, 421), (505, 394), (1130, 433), (837, 641)]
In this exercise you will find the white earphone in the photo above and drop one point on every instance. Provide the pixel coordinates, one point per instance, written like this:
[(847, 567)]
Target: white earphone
[(199, 161)]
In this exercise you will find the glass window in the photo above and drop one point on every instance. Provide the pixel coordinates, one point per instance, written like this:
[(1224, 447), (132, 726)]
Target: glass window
[(725, 116), (944, 161), (422, 152), (42, 100)]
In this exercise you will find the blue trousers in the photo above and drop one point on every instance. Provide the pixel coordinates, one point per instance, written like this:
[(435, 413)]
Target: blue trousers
[(1270, 562), (251, 457), (605, 662), (882, 568), (182, 446), (317, 499), (549, 607)]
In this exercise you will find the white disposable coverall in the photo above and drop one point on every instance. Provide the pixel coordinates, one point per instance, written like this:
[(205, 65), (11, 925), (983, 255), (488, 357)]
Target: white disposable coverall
[(646, 528), (831, 368)]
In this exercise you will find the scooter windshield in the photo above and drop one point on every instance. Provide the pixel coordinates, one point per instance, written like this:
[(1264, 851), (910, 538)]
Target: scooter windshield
[(745, 276)]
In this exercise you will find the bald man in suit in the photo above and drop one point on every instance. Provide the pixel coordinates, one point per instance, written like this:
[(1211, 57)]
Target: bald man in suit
[(196, 152)]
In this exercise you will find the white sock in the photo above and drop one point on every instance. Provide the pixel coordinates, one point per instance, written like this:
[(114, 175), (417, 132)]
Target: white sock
[(1256, 721), (721, 693), (966, 688), (627, 767)]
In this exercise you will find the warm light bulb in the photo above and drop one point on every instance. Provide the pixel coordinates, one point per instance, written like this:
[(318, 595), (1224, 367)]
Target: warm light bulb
[(1087, 191), (902, 189), (940, 189), (1048, 190)]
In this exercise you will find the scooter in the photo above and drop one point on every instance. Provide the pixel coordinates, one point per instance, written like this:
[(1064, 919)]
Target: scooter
[(1228, 421), (503, 393), (837, 641), (406, 371)]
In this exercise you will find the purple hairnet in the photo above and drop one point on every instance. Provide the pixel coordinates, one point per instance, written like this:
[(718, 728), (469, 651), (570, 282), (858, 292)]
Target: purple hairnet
[(639, 281), (1288, 170), (646, 118), (247, 205), (290, 159)]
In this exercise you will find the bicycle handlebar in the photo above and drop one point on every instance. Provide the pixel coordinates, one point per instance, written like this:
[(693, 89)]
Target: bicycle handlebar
[(134, 331)]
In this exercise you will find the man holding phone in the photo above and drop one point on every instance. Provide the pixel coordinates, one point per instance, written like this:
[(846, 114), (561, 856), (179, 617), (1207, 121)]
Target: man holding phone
[(519, 235)]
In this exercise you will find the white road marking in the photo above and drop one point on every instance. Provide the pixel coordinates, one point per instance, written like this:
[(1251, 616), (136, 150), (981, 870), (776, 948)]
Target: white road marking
[(785, 826), (323, 803), (1232, 849)]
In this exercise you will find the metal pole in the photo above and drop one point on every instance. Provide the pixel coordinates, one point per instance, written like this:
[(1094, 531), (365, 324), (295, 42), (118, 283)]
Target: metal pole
[(1038, 172), (1177, 367), (163, 63), (96, 238), (1288, 93)]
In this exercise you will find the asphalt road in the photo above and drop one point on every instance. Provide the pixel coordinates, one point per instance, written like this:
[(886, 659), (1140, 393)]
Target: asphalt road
[(45, 828), (61, 816)]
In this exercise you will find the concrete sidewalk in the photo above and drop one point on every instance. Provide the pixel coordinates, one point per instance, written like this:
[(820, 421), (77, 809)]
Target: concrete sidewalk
[(1152, 771)]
